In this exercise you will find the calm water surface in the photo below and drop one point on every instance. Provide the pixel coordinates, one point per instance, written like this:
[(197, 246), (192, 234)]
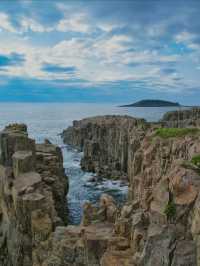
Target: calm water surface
[(47, 120)]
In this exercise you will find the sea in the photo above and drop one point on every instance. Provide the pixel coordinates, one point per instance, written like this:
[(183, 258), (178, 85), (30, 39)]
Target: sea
[(48, 120)]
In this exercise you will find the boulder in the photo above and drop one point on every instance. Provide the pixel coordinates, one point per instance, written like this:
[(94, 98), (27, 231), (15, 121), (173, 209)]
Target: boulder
[(108, 206)]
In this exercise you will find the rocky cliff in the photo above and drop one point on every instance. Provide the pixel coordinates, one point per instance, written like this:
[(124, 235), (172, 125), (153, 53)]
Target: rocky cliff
[(107, 143), (159, 224), (182, 118), (33, 189)]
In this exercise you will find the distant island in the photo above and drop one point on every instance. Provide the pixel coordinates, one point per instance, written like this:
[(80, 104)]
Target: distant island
[(152, 103)]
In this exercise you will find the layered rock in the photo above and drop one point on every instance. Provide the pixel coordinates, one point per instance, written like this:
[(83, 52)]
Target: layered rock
[(33, 189), (182, 118), (159, 225), (107, 142)]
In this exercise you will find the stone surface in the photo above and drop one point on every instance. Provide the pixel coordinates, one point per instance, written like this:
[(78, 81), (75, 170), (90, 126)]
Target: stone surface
[(29, 206), (23, 162), (158, 225), (182, 118), (185, 254), (106, 142), (160, 221)]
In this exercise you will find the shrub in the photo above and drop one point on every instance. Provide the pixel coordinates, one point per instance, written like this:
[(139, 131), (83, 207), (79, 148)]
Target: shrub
[(170, 210), (175, 132)]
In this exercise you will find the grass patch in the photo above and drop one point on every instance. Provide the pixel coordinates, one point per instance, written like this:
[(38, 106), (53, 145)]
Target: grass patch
[(196, 160), (175, 132)]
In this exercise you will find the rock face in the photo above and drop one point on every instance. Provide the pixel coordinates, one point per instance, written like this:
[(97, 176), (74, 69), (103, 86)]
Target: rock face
[(107, 143), (182, 118), (33, 190), (159, 224)]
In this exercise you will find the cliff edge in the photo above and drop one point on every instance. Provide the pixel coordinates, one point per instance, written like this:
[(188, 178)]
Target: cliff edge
[(33, 189), (159, 224)]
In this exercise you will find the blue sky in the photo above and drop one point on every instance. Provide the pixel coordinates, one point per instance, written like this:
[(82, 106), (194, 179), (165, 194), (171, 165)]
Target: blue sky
[(99, 51)]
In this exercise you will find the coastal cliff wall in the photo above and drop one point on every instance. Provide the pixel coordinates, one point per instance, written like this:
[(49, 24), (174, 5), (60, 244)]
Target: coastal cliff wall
[(33, 189), (159, 224), (182, 118), (107, 143)]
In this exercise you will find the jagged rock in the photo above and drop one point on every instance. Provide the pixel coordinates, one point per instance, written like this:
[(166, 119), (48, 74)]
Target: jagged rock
[(78, 245), (12, 140), (106, 212), (106, 142), (89, 214), (32, 203), (159, 247), (25, 181), (23, 162), (108, 206), (163, 205), (160, 197), (28, 205), (185, 254), (182, 118), (49, 163), (117, 258), (184, 185), (195, 219)]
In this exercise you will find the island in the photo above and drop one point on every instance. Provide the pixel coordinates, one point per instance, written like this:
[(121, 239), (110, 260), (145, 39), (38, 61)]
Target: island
[(152, 103)]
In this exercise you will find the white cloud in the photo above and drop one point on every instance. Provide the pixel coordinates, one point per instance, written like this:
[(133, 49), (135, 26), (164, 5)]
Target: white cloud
[(5, 23), (184, 37), (32, 25), (76, 23), (187, 38), (97, 60)]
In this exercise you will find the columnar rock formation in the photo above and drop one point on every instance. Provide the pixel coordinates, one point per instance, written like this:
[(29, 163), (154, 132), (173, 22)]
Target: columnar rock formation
[(182, 118), (159, 224), (33, 189), (107, 142)]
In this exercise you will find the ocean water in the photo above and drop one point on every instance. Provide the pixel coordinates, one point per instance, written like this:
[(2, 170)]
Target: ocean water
[(47, 120)]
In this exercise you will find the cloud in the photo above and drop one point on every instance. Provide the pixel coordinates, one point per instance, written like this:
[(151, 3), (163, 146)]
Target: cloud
[(75, 23), (91, 44), (59, 69), (28, 24), (12, 59), (5, 23)]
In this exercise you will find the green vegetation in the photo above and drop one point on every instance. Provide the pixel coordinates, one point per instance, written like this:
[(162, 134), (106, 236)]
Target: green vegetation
[(175, 132), (196, 160), (170, 210)]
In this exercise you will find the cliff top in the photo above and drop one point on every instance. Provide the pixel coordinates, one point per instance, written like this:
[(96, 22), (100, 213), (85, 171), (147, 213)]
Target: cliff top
[(108, 119), (182, 114)]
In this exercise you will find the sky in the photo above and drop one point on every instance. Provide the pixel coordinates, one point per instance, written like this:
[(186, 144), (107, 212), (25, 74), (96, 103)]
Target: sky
[(99, 51)]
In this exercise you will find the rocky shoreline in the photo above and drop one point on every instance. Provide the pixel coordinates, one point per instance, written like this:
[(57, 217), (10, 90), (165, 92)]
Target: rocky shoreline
[(160, 221), (158, 225)]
